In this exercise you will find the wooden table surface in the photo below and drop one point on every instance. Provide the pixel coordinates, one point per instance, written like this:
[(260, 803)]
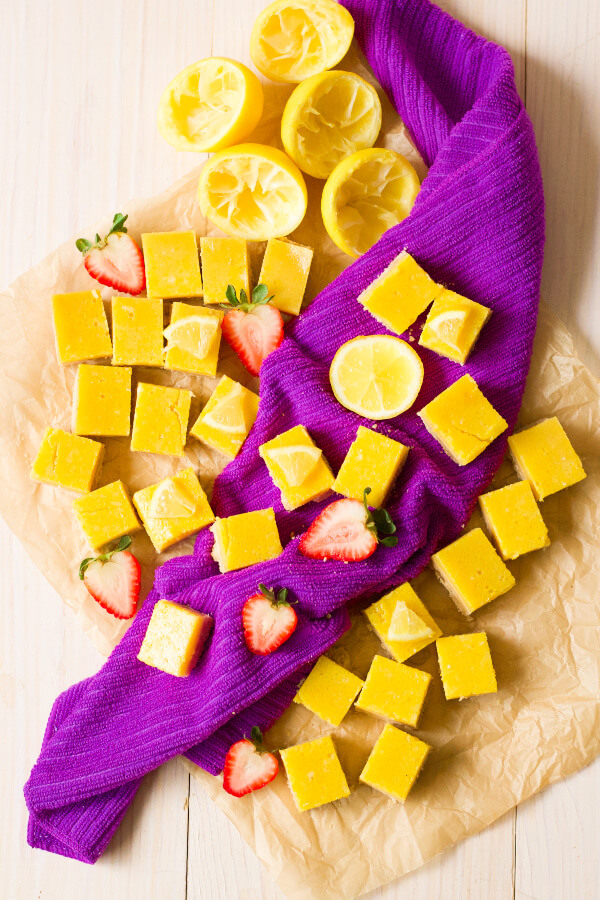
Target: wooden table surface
[(81, 83)]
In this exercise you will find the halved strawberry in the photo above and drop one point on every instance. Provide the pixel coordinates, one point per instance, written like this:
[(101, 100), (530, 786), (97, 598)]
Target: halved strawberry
[(115, 260), (268, 620), (348, 530), (248, 766), (252, 327), (113, 579)]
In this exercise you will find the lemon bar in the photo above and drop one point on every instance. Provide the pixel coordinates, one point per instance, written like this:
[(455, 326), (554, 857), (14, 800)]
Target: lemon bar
[(381, 614), (453, 326), (395, 763), (106, 514), (314, 773), (466, 666), (173, 509), (297, 467), (224, 261), (160, 419), (67, 461), (329, 690), (245, 539), (179, 356), (394, 691), (80, 327), (514, 520), (284, 270), (102, 401), (544, 456), (175, 638), (374, 461), (400, 294), (472, 572), (172, 264), (227, 418), (137, 326), (462, 420)]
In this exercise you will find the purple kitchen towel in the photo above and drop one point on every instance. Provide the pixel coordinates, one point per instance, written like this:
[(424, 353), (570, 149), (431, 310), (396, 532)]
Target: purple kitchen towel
[(478, 227)]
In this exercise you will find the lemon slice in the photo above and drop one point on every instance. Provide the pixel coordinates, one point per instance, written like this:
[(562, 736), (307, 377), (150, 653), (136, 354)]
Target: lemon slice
[(406, 625), (229, 415), (171, 501), (296, 462), (447, 325), (211, 104), (294, 39), (377, 377), (328, 118), (192, 334), (365, 195), (253, 192)]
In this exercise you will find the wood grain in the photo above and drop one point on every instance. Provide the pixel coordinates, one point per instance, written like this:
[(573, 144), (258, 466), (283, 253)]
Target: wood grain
[(79, 107)]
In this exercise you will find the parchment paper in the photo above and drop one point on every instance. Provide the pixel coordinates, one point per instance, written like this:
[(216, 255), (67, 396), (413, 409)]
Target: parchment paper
[(489, 753)]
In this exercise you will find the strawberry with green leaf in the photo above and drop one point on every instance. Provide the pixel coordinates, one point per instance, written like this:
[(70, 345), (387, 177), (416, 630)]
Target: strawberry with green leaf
[(113, 579), (115, 260), (248, 765), (253, 327), (268, 620), (348, 530)]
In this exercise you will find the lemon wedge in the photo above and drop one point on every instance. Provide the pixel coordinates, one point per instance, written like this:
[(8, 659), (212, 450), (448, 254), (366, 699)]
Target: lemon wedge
[(253, 192), (328, 118), (377, 377), (171, 501), (193, 335), (447, 325), (365, 195), (406, 625), (229, 414), (211, 104), (294, 39), (296, 462)]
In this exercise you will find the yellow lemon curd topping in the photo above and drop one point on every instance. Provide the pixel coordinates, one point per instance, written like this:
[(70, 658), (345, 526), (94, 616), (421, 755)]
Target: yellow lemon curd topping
[(466, 665), (67, 461), (175, 638), (106, 514), (314, 773), (472, 572), (173, 509)]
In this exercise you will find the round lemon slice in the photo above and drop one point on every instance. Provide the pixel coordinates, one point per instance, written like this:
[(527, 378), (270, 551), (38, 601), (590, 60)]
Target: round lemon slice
[(365, 195), (193, 334), (328, 118), (377, 377), (171, 501), (229, 415), (211, 104), (296, 462), (294, 39), (406, 625), (253, 192)]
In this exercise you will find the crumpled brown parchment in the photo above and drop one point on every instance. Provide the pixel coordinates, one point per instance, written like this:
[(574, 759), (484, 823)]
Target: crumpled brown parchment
[(489, 753)]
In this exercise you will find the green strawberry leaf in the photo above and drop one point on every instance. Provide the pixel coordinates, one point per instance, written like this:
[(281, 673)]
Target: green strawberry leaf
[(83, 246)]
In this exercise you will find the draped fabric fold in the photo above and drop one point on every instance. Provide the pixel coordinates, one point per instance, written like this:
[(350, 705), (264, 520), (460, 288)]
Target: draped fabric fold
[(478, 227)]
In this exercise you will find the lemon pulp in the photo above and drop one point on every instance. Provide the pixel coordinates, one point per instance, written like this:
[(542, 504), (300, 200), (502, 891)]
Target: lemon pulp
[(229, 414), (171, 501), (193, 335), (328, 118), (296, 462), (406, 625), (377, 377), (366, 194)]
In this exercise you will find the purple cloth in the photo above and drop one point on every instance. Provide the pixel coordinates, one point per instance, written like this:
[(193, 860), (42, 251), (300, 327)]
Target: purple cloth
[(478, 227)]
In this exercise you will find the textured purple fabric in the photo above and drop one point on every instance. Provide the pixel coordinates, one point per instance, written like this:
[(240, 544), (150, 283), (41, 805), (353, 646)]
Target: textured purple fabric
[(478, 227)]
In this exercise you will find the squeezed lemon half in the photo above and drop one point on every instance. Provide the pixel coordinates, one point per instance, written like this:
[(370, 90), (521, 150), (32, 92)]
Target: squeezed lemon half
[(253, 192), (365, 195), (328, 118), (294, 39), (377, 377), (211, 104)]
